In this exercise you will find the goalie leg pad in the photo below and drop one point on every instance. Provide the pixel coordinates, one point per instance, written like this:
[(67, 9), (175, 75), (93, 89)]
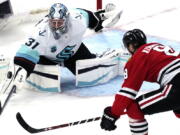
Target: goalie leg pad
[(45, 78), (96, 71)]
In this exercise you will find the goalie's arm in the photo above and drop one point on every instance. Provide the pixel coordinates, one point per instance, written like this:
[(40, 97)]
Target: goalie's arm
[(26, 58), (27, 65), (24, 61)]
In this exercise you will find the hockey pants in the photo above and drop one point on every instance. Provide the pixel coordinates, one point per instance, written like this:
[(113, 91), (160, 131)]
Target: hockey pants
[(164, 99)]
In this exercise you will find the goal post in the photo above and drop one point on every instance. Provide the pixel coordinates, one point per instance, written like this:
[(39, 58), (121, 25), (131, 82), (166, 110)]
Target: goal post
[(99, 4)]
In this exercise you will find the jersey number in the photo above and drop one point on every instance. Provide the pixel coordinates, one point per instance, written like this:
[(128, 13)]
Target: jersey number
[(125, 73), (32, 43), (166, 49)]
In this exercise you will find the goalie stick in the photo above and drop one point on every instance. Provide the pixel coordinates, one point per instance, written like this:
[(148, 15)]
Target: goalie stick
[(35, 130), (7, 99), (7, 83)]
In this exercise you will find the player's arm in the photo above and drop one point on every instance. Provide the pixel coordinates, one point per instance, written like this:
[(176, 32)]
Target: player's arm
[(27, 56), (42, 74), (133, 79), (25, 60)]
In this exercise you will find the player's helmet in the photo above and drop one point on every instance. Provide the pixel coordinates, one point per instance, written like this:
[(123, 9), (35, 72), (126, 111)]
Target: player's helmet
[(58, 19), (136, 37)]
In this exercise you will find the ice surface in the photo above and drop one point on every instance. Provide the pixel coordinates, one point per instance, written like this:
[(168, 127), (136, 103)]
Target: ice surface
[(41, 109)]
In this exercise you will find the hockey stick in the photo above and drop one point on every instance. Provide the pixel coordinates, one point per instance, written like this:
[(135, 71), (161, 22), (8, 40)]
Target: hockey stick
[(7, 99), (7, 82), (32, 130), (35, 130)]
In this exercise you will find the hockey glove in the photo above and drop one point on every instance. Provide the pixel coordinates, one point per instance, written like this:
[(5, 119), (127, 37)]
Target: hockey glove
[(108, 120), (102, 15)]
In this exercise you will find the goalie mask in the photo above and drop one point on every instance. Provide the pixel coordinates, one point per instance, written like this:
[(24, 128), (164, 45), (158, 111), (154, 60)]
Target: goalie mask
[(58, 19)]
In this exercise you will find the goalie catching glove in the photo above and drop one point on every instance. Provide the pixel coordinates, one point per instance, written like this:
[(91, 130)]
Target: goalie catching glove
[(107, 17)]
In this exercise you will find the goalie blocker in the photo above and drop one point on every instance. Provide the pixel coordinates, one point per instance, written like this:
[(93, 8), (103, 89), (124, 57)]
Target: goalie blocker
[(89, 72)]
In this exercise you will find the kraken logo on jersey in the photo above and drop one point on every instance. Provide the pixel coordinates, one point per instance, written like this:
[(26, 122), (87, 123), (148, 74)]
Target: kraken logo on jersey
[(65, 54)]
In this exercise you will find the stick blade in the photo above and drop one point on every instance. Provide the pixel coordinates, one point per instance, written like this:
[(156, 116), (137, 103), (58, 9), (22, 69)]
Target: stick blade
[(25, 125)]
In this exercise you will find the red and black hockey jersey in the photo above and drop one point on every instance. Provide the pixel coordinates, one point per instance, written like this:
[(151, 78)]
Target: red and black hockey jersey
[(152, 62)]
